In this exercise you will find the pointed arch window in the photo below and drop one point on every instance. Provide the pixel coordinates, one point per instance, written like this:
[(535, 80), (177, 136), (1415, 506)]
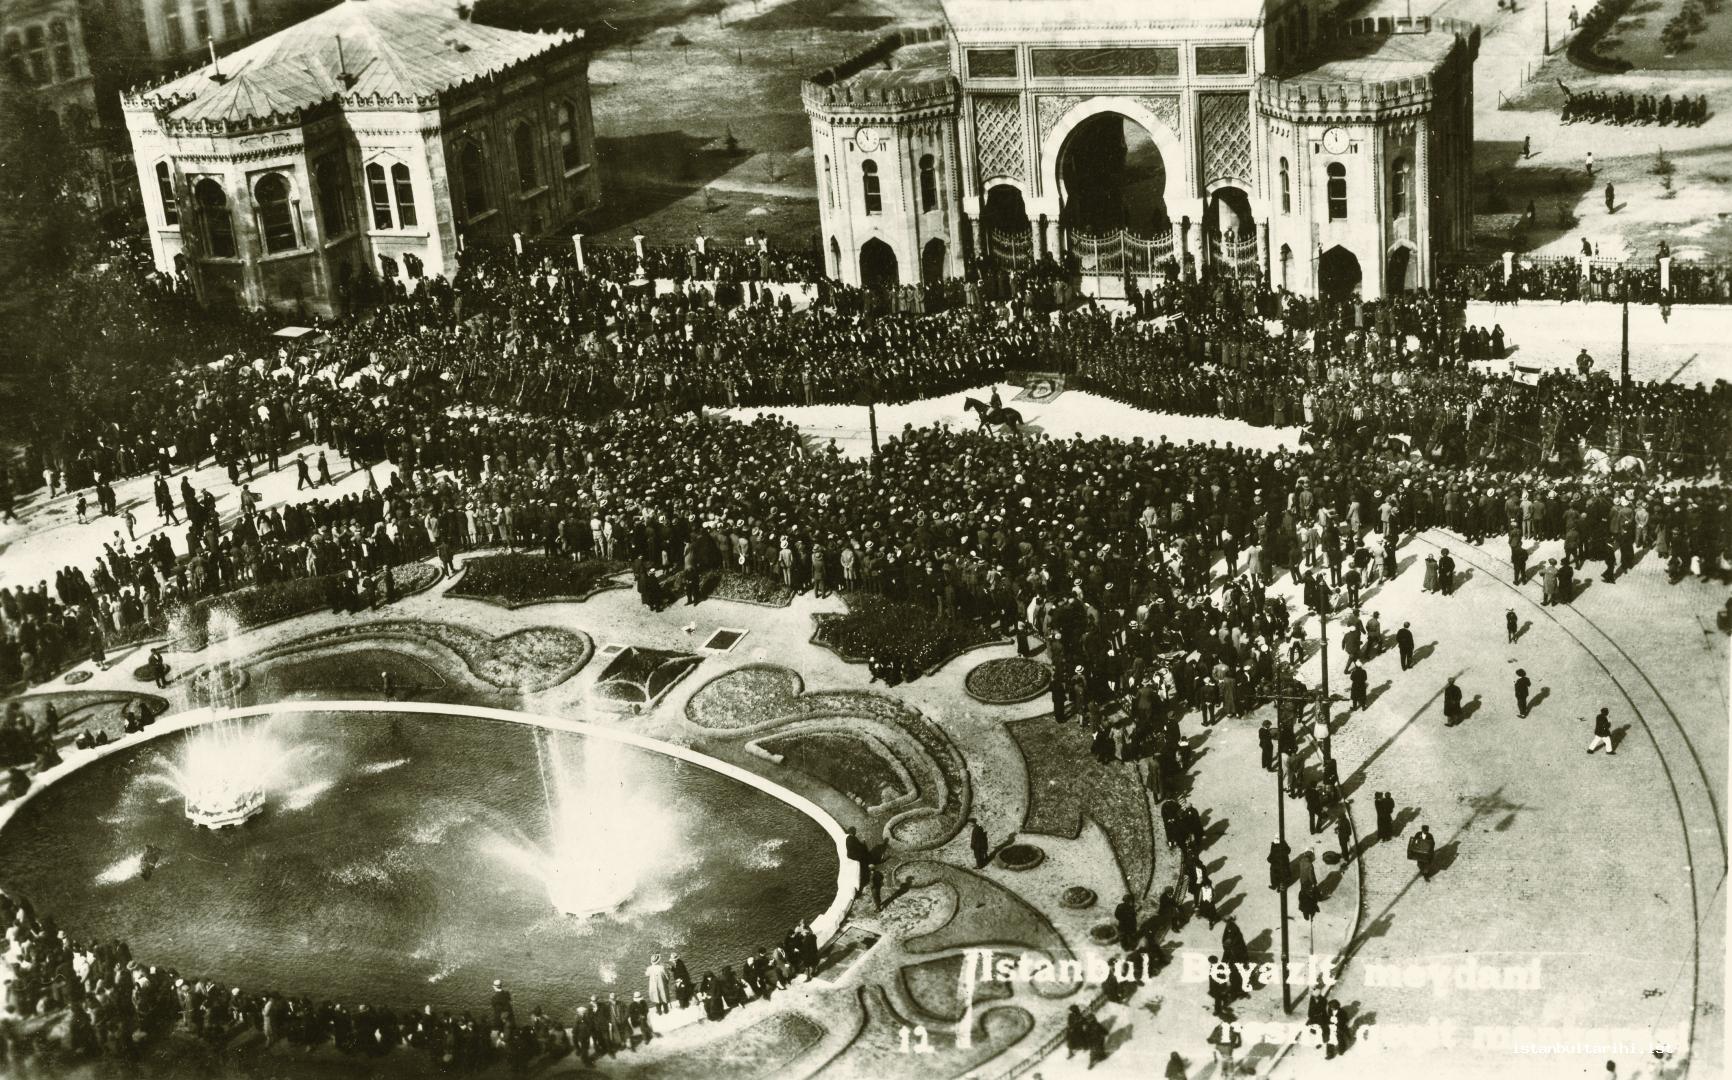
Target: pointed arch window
[(472, 168), (570, 145), (928, 182), (523, 147), (276, 213), (1286, 188), (165, 192), (869, 189), (218, 226), (1401, 181), (1337, 173)]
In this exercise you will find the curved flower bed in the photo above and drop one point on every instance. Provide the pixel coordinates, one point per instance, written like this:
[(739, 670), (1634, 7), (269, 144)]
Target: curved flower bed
[(842, 761), (524, 661), (898, 632), (261, 605), (1008, 680), (636, 678), (746, 697), (517, 580)]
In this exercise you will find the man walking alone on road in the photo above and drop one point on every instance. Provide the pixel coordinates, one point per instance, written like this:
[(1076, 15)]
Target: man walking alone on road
[(1522, 683), (1603, 733)]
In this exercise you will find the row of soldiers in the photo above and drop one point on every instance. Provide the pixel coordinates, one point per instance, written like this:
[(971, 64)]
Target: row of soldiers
[(1599, 107)]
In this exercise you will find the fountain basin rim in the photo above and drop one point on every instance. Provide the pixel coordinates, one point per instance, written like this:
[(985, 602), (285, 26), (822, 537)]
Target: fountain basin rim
[(825, 927)]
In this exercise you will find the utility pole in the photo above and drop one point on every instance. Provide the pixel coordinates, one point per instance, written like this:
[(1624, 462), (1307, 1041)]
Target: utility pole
[(1281, 831), (1624, 355), (1546, 50)]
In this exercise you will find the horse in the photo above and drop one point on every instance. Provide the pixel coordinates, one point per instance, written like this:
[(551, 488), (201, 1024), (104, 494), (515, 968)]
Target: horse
[(991, 417)]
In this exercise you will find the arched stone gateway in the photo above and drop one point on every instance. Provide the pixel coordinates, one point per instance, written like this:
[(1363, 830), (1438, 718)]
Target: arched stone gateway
[(1338, 273), (877, 265), (1111, 176), (1159, 161)]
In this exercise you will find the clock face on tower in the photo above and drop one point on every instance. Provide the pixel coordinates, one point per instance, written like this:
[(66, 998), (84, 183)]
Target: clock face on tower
[(866, 139), (1335, 141)]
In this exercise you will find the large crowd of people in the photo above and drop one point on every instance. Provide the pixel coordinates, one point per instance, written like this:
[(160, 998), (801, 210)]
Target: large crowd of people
[(1689, 281), (533, 404)]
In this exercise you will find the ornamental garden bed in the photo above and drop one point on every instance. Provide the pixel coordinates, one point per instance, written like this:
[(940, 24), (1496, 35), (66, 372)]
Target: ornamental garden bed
[(524, 661), (902, 633), (636, 678), (1008, 680), (517, 580), (844, 762), (746, 697), (1066, 784), (261, 605)]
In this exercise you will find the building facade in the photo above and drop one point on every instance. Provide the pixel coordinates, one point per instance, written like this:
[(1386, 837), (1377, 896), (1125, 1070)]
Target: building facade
[(1245, 136), (372, 141)]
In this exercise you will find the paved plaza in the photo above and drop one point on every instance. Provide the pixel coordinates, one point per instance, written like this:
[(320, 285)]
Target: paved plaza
[(1602, 877)]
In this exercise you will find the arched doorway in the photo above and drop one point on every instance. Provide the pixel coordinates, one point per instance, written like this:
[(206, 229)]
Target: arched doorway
[(877, 265), (1400, 275), (1338, 273), (1230, 231), (1004, 209), (932, 261), (1111, 176)]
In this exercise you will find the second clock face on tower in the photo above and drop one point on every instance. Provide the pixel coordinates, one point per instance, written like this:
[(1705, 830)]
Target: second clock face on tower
[(1335, 141)]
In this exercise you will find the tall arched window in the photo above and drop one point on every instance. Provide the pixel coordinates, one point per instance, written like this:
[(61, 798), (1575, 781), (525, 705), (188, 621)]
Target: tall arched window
[(1337, 191), (332, 178), (570, 152), (829, 189), (928, 183), (472, 167), (403, 190), (62, 38), (276, 214), (869, 187), (213, 212), (523, 147), (1400, 179), (1286, 188), (165, 192), (379, 197)]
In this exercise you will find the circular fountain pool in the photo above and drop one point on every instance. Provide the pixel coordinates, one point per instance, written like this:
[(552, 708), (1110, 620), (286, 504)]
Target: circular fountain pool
[(412, 854)]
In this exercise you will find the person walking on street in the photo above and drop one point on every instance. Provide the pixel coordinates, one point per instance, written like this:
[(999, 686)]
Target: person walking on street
[(1603, 733), (1357, 677), (1344, 832), (1420, 849), (1522, 683), (1510, 626), (1451, 702), (1590, 163), (977, 843), (1611, 199), (1385, 804), (1278, 859), (1404, 645), (1266, 743)]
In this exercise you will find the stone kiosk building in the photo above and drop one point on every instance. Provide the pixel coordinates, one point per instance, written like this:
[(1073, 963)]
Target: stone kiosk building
[(1255, 136), (376, 138)]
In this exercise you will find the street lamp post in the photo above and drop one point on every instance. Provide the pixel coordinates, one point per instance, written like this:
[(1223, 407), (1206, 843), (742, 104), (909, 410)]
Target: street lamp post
[(1546, 49), (1281, 832)]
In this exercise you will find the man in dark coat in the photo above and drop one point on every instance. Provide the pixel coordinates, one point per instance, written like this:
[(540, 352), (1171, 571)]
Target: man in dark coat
[(1420, 849), (1522, 683), (1404, 645), (1445, 573), (861, 855), (1344, 833), (1266, 743), (1125, 915), (1385, 804), (978, 843), (1278, 857), (1451, 702)]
